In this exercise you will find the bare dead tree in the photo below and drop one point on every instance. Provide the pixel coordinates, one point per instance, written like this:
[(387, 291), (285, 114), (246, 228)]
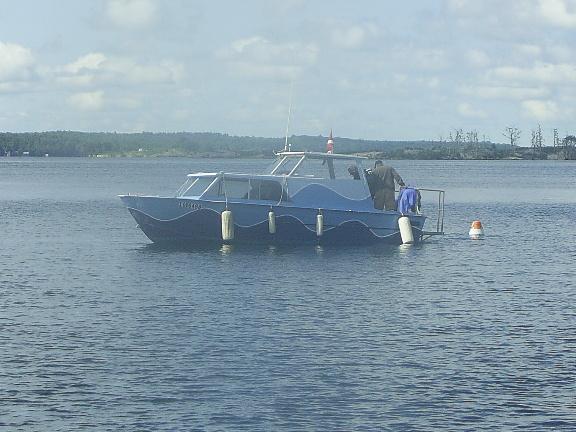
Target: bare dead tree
[(556, 138), (569, 147), (537, 138), (472, 140), (458, 136), (512, 134), (472, 137), (540, 137)]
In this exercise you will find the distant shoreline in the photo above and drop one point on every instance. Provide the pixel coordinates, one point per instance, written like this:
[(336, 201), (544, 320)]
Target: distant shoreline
[(221, 146), (271, 156)]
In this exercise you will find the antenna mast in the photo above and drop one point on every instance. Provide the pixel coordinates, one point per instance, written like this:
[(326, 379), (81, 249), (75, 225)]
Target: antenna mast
[(286, 145)]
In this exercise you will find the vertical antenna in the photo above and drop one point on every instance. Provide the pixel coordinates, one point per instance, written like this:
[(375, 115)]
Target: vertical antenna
[(286, 145)]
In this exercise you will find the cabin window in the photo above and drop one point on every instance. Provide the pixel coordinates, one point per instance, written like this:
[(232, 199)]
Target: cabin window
[(266, 190), (234, 188), (253, 189)]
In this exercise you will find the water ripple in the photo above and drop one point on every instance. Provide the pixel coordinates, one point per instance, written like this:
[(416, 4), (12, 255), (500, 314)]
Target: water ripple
[(102, 331)]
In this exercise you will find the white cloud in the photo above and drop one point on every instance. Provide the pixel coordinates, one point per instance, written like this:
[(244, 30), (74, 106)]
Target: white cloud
[(85, 80), (480, 14), (541, 110), (266, 70), (257, 48), (354, 36), (466, 110), (465, 6), (92, 61), (15, 61), (521, 19), (165, 71), (97, 68), (540, 73), (561, 53), (87, 101), (400, 79), (127, 102), (503, 92), (529, 50), (13, 86), (131, 14), (478, 58), (429, 59), (257, 57), (429, 82), (238, 46), (286, 5), (559, 12)]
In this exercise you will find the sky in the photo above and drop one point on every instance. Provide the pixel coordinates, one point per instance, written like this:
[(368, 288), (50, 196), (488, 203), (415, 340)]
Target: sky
[(369, 69)]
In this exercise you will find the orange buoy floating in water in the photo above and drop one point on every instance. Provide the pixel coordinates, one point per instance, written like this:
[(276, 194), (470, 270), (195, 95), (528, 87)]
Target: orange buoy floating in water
[(476, 230)]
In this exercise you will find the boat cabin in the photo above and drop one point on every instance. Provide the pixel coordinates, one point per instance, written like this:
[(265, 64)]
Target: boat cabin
[(303, 179)]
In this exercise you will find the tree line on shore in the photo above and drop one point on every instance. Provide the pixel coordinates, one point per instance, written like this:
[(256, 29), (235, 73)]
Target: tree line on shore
[(564, 148), (459, 145)]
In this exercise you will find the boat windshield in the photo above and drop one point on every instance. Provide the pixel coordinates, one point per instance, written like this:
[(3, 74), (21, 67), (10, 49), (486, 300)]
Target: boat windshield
[(316, 167), (324, 168), (195, 186), (282, 166)]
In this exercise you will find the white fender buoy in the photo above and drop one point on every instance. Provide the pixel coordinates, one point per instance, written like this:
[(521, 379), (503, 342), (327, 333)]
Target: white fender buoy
[(476, 231), (227, 225), (405, 230), (319, 224), (271, 222)]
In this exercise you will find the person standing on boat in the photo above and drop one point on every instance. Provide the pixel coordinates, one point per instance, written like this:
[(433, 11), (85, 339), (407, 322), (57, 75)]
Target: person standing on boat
[(385, 176)]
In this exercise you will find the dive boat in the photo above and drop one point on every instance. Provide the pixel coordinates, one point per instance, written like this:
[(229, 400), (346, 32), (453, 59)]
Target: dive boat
[(303, 198)]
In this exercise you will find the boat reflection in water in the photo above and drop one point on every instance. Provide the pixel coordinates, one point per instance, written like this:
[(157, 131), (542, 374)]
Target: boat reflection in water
[(303, 198)]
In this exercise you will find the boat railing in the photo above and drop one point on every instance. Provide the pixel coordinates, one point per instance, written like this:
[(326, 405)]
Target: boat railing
[(437, 208)]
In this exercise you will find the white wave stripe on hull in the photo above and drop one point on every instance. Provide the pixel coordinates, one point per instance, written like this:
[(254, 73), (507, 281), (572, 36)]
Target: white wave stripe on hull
[(307, 226)]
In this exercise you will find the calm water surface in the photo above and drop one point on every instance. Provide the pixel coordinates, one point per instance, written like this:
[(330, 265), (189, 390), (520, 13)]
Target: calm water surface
[(100, 330)]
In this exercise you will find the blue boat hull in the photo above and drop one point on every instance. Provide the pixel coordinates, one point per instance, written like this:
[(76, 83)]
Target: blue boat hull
[(186, 221)]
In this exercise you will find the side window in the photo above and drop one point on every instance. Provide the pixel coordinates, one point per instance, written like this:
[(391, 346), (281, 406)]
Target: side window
[(234, 188), (266, 190), (254, 189)]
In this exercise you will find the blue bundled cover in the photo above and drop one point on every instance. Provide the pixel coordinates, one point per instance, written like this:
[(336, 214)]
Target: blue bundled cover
[(408, 200)]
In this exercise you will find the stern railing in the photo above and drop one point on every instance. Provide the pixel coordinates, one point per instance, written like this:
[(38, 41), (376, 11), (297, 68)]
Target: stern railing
[(439, 211)]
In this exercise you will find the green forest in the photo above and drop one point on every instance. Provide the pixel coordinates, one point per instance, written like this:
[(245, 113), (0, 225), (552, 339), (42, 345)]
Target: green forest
[(207, 144)]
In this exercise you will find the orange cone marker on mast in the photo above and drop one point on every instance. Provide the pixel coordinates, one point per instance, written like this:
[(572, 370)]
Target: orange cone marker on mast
[(330, 144)]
